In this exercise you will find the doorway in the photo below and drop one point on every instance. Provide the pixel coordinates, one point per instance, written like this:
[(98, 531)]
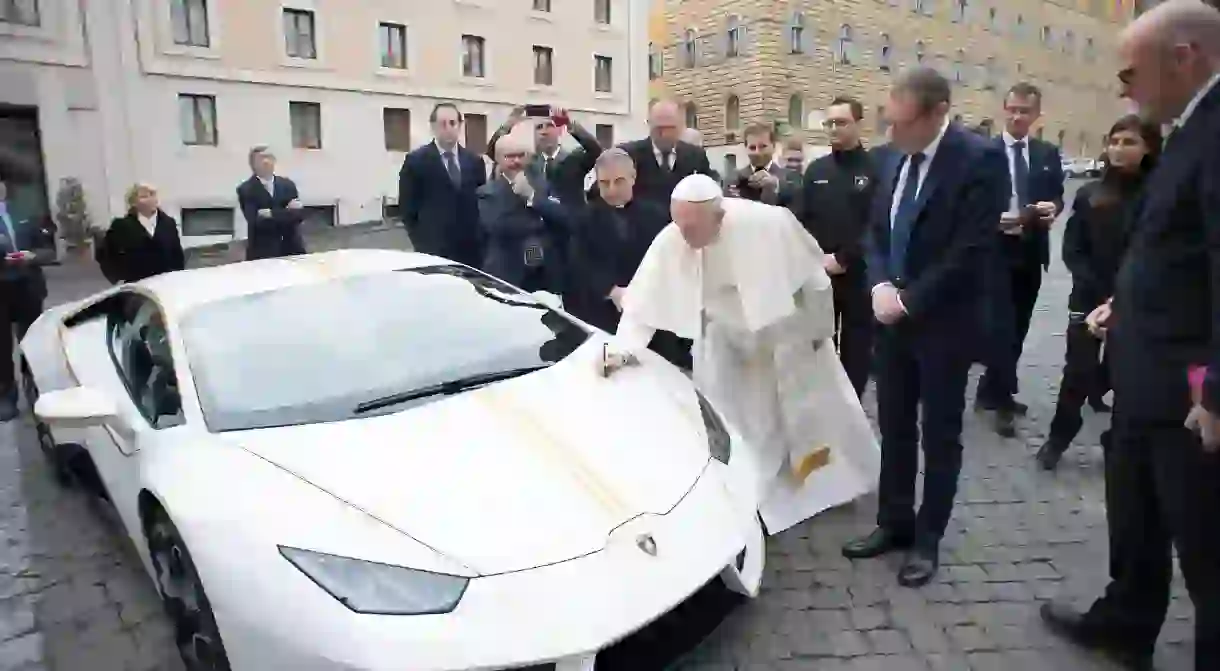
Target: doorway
[(21, 164)]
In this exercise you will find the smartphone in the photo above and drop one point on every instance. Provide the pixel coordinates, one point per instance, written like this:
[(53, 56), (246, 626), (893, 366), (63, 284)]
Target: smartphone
[(538, 111), (1031, 211)]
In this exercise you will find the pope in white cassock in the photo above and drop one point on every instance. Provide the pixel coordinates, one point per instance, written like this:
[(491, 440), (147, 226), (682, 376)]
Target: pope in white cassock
[(745, 281)]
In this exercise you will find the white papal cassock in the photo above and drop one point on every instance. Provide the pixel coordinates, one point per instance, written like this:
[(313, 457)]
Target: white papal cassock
[(758, 304)]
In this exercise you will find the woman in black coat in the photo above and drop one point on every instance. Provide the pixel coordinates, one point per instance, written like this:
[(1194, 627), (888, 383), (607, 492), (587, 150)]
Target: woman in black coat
[(143, 243), (1094, 242)]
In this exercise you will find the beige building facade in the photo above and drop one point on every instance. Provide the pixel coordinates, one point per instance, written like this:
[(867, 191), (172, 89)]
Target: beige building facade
[(734, 62), (175, 92)]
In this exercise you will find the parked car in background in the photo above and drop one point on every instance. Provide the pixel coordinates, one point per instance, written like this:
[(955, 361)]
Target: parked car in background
[(1076, 168)]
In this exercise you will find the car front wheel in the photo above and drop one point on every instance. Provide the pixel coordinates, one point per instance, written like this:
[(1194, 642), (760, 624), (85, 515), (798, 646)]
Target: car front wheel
[(46, 442), (182, 595)]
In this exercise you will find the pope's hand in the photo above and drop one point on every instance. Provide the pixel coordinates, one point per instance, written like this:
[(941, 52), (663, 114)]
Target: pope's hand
[(613, 360), (1206, 425), (616, 295), (887, 306), (832, 265), (1099, 319)]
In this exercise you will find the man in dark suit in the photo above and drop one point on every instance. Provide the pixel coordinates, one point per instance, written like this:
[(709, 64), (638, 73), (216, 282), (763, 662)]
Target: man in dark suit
[(436, 192), (525, 228), (1163, 466), (272, 207), (24, 248), (661, 159), (763, 179), (838, 189), (549, 152), (1035, 172), (935, 208)]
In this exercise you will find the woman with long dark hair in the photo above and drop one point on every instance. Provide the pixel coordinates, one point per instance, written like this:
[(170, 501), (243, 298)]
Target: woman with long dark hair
[(1094, 242)]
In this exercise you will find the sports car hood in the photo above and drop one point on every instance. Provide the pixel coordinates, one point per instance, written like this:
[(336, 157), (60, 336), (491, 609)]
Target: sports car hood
[(523, 473)]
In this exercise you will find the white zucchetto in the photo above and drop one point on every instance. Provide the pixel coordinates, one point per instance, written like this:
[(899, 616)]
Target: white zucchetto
[(696, 189)]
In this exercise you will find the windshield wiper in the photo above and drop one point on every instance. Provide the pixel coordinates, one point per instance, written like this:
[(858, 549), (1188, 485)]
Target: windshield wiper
[(447, 388)]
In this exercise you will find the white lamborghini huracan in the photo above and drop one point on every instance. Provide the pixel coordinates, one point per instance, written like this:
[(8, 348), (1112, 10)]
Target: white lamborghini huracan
[(378, 460)]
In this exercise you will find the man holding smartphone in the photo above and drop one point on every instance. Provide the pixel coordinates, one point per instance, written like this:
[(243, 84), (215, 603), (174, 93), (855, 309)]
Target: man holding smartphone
[(549, 159), (24, 248), (1035, 174)]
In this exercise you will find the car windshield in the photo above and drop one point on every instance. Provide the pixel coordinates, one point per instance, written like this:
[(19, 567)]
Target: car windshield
[(365, 345)]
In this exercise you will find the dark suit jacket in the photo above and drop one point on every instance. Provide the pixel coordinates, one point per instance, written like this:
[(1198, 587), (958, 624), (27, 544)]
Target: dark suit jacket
[(279, 235), (1167, 292), (130, 254), (958, 207), (1094, 242), (1033, 248), (511, 227), (654, 184), (606, 254), (441, 218), (786, 195), (26, 278)]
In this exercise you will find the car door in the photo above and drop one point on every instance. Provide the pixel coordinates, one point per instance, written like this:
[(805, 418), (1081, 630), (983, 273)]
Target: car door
[(123, 351)]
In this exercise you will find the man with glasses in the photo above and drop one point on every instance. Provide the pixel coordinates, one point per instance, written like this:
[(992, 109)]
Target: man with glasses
[(837, 191), (1162, 331), (938, 197), (437, 192)]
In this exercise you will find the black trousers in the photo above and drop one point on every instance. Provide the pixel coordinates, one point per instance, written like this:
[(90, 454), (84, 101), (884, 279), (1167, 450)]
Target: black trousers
[(1162, 493), (18, 310), (854, 324), (911, 378), (1084, 377), (999, 382)]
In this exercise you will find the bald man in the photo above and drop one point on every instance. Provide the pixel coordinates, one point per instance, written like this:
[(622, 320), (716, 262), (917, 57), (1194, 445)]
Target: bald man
[(663, 158), (1162, 329)]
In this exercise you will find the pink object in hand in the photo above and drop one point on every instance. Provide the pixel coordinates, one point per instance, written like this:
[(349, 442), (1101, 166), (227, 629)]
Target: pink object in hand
[(1195, 376)]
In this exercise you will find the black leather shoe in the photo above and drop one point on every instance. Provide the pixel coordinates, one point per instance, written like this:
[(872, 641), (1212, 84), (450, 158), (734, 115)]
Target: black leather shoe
[(877, 543), (1072, 625), (920, 567), (1006, 422), (1049, 454)]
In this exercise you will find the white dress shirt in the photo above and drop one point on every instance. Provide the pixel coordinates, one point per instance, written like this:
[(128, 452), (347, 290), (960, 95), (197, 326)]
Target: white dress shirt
[(673, 156), (1014, 204), (457, 163), (268, 184), (929, 153), (149, 223)]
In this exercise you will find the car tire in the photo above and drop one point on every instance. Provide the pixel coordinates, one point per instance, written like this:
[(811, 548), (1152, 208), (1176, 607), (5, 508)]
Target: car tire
[(182, 595), (46, 442)]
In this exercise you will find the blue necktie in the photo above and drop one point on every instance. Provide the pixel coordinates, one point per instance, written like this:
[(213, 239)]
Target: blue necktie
[(455, 175), (1020, 173), (8, 233), (904, 219)]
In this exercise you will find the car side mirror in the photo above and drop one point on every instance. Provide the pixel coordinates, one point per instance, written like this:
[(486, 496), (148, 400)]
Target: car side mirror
[(76, 408), (548, 299)]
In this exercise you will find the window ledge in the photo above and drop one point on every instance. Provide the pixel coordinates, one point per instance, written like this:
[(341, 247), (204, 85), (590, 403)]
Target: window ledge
[(541, 88), (40, 32), (604, 95), (303, 63), (395, 73), (191, 51), (475, 81), (538, 16)]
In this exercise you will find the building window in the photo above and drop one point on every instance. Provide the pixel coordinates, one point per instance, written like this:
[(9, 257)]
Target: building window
[(959, 11), (732, 113), (544, 70), (1047, 36), (306, 122), (473, 56), (656, 62), (732, 45), (20, 12), (393, 46), (886, 53), (883, 122), (603, 74), (318, 216), (299, 33), (690, 49), (920, 52), (1020, 68), (197, 116), (604, 133), (397, 124), (959, 75), (989, 76), (189, 20), (796, 34), (542, 5), (1069, 43), (201, 221), (1089, 51), (796, 111), (993, 19), (691, 115), (845, 45), (601, 11), (476, 133), (1020, 30), (919, 6)]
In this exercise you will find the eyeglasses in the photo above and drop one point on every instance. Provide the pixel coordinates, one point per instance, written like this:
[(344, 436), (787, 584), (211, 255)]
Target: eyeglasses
[(836, 123)]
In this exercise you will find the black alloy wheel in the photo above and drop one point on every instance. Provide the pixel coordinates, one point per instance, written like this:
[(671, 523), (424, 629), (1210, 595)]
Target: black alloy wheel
[(182, 595)]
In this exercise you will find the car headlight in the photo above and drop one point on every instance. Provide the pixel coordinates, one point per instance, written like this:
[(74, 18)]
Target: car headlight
[(379, 589), (719, 444)]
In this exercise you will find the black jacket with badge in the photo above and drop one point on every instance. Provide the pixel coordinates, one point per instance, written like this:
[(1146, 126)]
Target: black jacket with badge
[(837, 191)]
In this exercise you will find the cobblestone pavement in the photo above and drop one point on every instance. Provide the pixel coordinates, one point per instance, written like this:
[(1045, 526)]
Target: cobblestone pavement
[(73, 596)]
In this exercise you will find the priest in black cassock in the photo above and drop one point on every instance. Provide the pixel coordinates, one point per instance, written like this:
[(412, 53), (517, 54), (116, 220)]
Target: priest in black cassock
[(609, 241)]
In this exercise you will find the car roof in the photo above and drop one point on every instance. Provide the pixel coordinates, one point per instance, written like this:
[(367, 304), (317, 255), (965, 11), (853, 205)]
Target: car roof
[(182, 291)]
